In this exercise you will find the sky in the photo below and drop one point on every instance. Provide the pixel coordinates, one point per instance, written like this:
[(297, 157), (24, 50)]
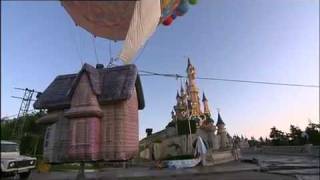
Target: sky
[(274, 40)]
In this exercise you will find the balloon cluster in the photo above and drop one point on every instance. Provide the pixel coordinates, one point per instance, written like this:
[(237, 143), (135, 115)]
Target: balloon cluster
[(173, 8)]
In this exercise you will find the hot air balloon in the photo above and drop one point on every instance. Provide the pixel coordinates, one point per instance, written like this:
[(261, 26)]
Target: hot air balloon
[(131, 21)]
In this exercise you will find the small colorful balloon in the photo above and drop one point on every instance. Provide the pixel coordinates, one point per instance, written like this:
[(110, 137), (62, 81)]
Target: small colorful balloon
[(174, 16), (182, 8), (193, 2), (167, 21)]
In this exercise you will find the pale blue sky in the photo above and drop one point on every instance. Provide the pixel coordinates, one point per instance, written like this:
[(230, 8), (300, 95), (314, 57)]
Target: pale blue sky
[(271, 40)]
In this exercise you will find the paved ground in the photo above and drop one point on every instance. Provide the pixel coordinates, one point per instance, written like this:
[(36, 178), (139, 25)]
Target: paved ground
[(301, 167), (256, 166), (232, 170), (244, 175)]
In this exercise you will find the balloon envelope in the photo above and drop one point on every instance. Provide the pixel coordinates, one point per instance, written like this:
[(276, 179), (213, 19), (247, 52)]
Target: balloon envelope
[(107, 19), (132, 21)]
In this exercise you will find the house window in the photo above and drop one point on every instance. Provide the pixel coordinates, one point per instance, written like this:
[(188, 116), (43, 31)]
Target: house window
[(82, 134)]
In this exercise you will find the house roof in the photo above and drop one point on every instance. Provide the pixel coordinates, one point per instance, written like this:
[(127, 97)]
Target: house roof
[(109, 84), (220, 120)]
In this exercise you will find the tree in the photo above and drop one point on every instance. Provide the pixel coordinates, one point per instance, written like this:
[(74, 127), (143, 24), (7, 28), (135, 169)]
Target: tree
[(295, 135), (252, 142), (313, 131), (32, 133), (278, 137)]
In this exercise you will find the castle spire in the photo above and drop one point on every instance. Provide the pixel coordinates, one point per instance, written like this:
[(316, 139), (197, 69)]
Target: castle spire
[(177, 96), (220, 121), (189, 62), (204, 98), (181, 90), (206, 109)]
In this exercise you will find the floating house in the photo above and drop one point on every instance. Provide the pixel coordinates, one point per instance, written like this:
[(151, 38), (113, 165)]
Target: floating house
[(92, 115)]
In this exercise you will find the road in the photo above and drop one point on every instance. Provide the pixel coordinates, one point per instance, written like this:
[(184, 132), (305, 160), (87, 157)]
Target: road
[(263, 166)]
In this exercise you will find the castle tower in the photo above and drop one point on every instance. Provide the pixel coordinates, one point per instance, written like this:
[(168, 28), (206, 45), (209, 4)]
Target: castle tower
[(187, 87), (184, 97), (206, 109), (180, 107), (193, 90), (222, 132)]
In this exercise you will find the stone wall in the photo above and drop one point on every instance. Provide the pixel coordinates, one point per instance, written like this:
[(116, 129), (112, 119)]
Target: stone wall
[(178, 145), (219, 157), (307, 150)]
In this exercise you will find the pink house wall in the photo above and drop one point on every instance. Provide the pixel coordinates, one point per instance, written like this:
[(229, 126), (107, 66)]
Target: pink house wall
[(84, 130)]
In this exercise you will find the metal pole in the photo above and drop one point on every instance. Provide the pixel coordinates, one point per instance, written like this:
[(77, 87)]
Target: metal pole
[(81, 175)]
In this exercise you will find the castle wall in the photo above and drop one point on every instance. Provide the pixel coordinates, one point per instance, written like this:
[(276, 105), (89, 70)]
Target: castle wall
[(178, 145)]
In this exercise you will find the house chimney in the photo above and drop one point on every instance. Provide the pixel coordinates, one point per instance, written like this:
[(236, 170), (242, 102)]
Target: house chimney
[(149, 131), (38, 95), (99, 66)]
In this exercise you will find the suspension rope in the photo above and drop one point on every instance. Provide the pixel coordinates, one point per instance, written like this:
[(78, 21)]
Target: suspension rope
[(148, 73), (94, 48)]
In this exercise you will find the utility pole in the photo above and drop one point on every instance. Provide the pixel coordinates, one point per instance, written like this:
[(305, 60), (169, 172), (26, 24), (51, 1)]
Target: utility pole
[(24, 106), (26, 100)]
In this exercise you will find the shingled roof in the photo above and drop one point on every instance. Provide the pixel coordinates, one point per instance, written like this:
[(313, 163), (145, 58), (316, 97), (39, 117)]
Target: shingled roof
[(109, 84)]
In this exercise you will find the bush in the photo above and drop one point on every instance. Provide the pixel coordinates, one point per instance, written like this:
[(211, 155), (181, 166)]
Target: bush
[(179, 157)]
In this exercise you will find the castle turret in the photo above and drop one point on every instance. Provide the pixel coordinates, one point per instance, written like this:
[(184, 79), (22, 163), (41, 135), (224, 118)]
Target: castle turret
[(187, 86), (222, 132), (173, 116), (220, 125), (206, 109), (182, 90)]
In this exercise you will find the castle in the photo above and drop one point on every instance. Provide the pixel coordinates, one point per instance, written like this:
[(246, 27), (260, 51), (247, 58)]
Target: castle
[(188, 121)]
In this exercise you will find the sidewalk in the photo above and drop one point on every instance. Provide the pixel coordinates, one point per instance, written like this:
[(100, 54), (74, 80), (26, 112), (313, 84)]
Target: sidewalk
[(199, 170)]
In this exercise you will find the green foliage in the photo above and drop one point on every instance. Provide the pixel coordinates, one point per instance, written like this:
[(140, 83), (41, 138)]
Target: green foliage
[(183, 127), (179, 157), (313, 131), (278, 137), (26, 132), (295, 137), (157, 141)]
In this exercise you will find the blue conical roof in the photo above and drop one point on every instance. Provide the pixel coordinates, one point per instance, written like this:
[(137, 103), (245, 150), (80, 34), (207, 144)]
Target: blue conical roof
[(204, 98), (220, 121)]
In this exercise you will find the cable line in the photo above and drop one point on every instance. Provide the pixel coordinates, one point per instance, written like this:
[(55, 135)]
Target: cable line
[(94, 48), (149, 73)]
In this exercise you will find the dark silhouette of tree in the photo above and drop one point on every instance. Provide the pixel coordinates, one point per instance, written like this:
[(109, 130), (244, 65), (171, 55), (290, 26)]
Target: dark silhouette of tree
[(313, 133), (253, 142), (31, 141), (278, 137), (295, 135)]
